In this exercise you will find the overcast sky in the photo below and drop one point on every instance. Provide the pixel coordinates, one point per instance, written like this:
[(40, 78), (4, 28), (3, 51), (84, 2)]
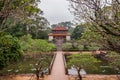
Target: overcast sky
[(56, 10)]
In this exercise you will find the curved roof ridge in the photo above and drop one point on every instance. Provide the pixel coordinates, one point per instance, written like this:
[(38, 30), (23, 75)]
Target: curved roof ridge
[(59, 28)]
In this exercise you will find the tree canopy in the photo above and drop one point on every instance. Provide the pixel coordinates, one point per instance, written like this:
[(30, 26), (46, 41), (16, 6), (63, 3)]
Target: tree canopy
[(82, 61), (10, 50), (77, 32), (103, 17)]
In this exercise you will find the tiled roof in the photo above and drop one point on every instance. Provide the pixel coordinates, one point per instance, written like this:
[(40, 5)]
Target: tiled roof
[(51, 34), (59, 28)]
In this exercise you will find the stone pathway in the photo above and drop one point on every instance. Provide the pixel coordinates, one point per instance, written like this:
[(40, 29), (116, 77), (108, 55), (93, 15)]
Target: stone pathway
[(58, 70), (59, 45)]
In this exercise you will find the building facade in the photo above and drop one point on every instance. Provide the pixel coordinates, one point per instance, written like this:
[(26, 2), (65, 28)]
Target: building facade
[(58, 33)]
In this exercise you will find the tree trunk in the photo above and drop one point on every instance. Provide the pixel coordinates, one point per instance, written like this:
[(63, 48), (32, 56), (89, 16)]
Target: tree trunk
[(80, 77), (37, 74)]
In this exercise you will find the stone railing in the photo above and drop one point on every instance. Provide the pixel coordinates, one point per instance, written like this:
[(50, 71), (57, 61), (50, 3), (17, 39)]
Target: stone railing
[(51, 65), (65, 65)]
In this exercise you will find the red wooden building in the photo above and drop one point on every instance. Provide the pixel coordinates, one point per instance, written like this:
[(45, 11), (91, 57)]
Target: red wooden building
[(59, 32)]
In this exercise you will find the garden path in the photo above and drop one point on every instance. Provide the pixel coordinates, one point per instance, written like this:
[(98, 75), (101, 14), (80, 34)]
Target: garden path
[(58, 70)]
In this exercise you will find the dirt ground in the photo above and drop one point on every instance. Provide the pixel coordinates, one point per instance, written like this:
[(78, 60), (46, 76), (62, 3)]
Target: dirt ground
[(70, 77), (20, 77), (97, 77)]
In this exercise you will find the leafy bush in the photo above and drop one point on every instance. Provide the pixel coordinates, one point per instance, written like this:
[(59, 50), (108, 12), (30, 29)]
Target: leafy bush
[(67, 46), (10, 50), (35, 45), (26, 42), (93, 46), (80, 47)]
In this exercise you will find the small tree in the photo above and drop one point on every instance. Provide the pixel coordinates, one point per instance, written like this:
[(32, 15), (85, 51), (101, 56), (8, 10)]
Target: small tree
[(38, 45), (44, 61), (82, 61), (41, 65)]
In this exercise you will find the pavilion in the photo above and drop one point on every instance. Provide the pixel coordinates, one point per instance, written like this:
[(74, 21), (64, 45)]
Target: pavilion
[(59, 33)]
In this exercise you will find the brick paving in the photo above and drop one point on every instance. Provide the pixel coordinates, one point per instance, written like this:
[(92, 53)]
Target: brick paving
[(58, 70)]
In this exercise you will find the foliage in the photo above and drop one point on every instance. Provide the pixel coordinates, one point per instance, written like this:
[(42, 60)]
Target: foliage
[(21, 10), (91, 40), (35, 45), (77, 32), (94, 46), (115, 60), (103, 17), (67, 24), (41, 46), (91, 36), (27, 64), (42, 65), (66, 46), (82, 61), (37, 27), (10, 50), (17, 30), (19, 17), (80, 47)]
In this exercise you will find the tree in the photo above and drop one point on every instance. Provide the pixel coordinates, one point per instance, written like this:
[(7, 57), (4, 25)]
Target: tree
[(10, 50), (82, 61), (41, 65), (77, 32), (103, 16), (24, 13), (92, 40), (17, 30), (40, 46), (35, 45), (20, 10), (66, 24), (38, 27)]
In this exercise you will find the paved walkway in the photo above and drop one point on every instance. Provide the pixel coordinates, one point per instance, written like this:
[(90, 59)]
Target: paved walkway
[(59, 45), (58, 70)]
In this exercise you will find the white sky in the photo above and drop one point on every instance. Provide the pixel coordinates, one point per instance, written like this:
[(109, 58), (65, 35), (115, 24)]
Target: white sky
[(56, 10)]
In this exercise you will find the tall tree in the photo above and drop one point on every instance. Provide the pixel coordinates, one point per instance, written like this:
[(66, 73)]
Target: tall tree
[(66, 24), (77, 32), (104, 16), (17, 9)]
